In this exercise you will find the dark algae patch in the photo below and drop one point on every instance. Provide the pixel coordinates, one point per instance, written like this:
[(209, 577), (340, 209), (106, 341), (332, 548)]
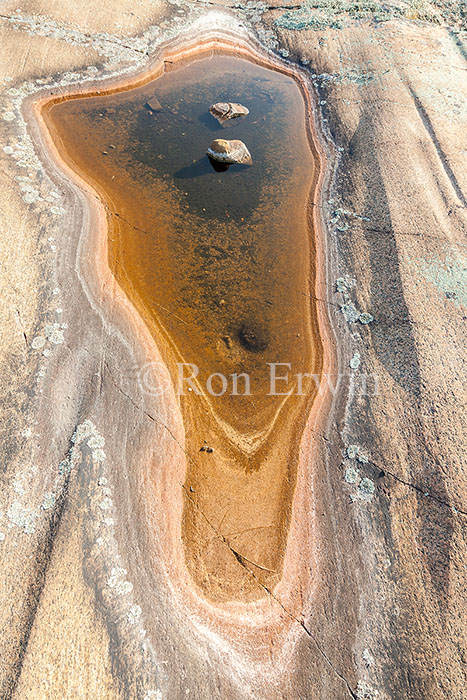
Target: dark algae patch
[(220, 265)]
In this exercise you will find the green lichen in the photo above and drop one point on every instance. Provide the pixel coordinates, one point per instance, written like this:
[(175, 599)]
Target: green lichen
[(305, 19), (357, 77), (450, 12), (335, 14), (64, 467), (323, 14), (420, 9), (48, 502)]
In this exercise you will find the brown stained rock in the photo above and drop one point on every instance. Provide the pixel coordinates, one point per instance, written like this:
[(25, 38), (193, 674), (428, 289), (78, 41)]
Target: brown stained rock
[(224, 111), (229, 152)]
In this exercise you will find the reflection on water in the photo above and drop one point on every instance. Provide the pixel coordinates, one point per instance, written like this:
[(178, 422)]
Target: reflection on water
[(219, 264)]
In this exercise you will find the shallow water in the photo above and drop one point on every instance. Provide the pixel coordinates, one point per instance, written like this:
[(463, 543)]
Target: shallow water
[(220, 266)]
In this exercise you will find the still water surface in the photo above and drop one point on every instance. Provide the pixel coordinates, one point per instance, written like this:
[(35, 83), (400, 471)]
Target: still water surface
[(220, 266)]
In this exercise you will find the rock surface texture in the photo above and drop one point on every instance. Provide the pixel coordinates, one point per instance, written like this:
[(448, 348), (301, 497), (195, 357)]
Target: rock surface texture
[(229, 152), (225, 111), (90, 607)]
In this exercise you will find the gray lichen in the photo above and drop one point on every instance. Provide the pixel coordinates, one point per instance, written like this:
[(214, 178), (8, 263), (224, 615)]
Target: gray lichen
[(350, 311), (335, 14), (54, 333), (118, 582), (153, 695), (23, 517), (352, 314), (355, 452), (365, 318), (354, 362), (48, 502), (367, 486), (351, 475), (367, 657), (366, 692), (134, 614), (341, 285), (38, 342), (352, 451)]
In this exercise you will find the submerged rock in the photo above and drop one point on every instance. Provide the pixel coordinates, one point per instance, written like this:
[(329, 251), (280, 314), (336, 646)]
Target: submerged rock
[(253, 337), (223, 111), (153, 105), (229, 152)]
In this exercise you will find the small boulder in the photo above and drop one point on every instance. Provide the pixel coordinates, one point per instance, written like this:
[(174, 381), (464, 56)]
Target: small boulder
[(153, 105), (223, 111), (224, 151)]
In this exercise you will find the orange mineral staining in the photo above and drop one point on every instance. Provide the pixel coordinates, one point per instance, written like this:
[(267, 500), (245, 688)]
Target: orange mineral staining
[(221, 266)]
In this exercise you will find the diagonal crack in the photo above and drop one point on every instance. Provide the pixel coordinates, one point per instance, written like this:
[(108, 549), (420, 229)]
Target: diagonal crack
[(427, 494), (331, 443), (302, 625), (241, 559), (372, 228), (384, 469), (23, 332)]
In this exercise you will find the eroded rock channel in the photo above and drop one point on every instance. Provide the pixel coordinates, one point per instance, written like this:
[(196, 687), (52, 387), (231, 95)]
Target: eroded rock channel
[(221, 267)]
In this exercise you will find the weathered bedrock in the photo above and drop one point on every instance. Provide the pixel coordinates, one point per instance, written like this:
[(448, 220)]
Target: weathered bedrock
[(367, 596)]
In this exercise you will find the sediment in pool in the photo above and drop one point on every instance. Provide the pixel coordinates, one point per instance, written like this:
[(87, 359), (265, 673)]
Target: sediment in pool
[(221, 267)]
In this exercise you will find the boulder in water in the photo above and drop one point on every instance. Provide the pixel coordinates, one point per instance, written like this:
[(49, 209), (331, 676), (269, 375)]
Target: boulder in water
[(153, 105), (223, 111), (224, 151)]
